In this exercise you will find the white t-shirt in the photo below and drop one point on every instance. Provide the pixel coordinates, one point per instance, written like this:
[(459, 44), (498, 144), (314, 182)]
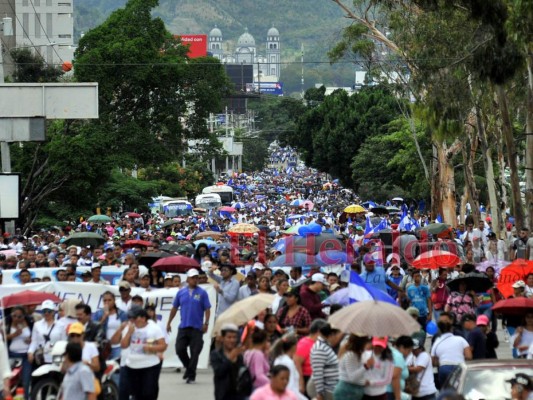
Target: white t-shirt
[(527, 339), (425, 377), (18, 344), (113, 323), (137, 358), (42, 329), (529, 245), (89, 351), (294, 376), (449, 349), (123, 306)]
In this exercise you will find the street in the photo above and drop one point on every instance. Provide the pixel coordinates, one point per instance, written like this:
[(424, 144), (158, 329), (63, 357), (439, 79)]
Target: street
[(171, 384)]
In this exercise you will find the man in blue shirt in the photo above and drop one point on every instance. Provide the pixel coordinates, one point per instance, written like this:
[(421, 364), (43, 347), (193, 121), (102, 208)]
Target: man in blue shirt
[(195, 310), (375, 276), (420, 297)]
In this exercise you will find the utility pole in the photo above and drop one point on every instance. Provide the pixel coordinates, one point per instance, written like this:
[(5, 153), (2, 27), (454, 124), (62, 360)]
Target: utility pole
[(303, 92)]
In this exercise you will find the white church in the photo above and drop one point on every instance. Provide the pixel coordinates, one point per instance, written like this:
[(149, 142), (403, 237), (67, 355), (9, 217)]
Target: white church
[(267, 65)]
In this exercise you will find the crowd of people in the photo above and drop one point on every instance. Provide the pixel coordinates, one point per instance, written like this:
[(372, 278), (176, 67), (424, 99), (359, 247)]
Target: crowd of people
[(289, 350)]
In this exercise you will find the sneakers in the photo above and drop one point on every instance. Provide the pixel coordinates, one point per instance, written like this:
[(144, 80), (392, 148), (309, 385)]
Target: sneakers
[(190, 381)]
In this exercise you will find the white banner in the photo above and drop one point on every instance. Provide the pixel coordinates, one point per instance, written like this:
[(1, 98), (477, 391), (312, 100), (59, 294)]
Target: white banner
[(91, 294), (110, 273)]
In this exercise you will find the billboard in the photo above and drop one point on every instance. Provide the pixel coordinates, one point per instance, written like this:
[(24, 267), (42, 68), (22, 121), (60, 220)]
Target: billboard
[(9, 196), (274, 88), (240, 75), (197, 44)]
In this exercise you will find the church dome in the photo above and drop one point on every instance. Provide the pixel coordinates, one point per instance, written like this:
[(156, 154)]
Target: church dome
[(246, 39), (273, 32), (215, 32)]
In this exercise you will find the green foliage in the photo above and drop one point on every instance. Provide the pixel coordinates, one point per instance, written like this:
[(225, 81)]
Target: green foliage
[(147, 86), (389, 163), (330, 134), (31, 68), (127, 193)]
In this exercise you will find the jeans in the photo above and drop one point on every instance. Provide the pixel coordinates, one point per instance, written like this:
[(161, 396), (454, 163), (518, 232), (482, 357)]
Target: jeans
[(115, 353), (189, 338), (428, 397), (123, 387), (444, 372), (511, 330), (144, 382), (27, 369)]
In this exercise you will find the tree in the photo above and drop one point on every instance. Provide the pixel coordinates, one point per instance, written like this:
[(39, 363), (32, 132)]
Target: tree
[(150, 92), (330, 134), (32, 68)]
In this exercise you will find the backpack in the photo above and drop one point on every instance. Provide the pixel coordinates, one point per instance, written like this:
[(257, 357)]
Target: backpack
[(245, 382)]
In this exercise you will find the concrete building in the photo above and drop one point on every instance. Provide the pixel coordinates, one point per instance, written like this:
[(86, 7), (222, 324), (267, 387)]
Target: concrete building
[(266, 64), (47, 26)]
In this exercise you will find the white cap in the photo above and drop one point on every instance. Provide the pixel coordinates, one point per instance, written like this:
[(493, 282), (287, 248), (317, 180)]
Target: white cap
[(319, 278), (229, 327), (48, 305), (519, 284), (192, 272), (259, 266), (206, 265), (95, 265)]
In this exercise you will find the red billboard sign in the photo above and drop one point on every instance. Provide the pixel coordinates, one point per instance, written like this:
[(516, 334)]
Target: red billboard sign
[(197, 44)]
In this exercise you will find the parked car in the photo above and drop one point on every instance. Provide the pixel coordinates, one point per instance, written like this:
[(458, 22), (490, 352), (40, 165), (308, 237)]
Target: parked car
[(486, 379)]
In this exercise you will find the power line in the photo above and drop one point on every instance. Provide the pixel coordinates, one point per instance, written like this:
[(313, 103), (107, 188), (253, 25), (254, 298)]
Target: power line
[(44, 30)]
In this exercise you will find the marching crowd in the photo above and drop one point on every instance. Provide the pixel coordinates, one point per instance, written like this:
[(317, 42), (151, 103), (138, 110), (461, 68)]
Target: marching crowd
[(289, 350)]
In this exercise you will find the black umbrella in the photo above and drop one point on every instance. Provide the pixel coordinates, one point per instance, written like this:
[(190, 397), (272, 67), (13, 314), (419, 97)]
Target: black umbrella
[(170, 222), (476, 281), (379, 210), (149, 258), (84, 239)]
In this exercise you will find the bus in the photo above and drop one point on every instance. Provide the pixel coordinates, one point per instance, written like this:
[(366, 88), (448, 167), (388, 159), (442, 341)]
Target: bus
[(172, 207), (224, 191), (208, 201)]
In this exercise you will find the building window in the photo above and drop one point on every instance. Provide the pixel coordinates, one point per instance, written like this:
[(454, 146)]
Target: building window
[(49, 24), (272, 71), (275, 46), (64, 36), (25, 24), (37, 26)]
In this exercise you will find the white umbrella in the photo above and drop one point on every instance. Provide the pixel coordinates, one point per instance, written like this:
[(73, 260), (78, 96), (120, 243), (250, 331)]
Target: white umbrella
[(397, 199), (243, 311), (374, 318)]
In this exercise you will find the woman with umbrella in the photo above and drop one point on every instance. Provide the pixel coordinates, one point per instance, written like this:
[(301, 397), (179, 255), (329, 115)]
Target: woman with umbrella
[(461, 302)]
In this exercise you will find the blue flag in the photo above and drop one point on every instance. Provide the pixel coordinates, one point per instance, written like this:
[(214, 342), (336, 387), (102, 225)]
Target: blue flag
[(360, 291), (439, 219)]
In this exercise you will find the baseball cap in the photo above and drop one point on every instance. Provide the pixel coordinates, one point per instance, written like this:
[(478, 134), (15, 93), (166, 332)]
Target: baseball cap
[(380, 341), (491, 235), (522, 379), (137, 311), (192, 273), (319, 278), (417, 344), (124, 284), (95, 265), (259, 266), (76, 328), (367, 259), (519, 284), (482, 320), (48, 305), (413, 312), (229, 327)]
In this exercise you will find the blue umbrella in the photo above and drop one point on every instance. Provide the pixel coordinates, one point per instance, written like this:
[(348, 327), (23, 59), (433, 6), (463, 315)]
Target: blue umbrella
[(294, 260), (297, 203), (251, 204), (238, 205), (282, 201), (333, 257)]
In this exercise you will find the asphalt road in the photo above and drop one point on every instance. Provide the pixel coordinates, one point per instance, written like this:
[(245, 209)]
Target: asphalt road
[(171, 385)]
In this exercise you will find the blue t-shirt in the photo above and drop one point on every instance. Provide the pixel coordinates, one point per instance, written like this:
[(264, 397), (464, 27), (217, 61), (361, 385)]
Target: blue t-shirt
[(399, 362), (192, 307), (376, 278), (419, 296)]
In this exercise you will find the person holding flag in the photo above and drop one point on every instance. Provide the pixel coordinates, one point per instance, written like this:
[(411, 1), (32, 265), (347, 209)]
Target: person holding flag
[(376, 277)]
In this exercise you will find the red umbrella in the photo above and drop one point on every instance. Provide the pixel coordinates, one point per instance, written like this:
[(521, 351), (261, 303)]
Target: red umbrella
[(227, 209), (28, 298), (176, 264), (133, 215), (434, 259), (136, 243), (514, 306), (516, 271)]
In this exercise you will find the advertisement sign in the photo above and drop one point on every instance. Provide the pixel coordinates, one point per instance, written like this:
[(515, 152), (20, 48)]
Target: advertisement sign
[(91, 294), (275, 88), (197, 44), (9, 196)]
